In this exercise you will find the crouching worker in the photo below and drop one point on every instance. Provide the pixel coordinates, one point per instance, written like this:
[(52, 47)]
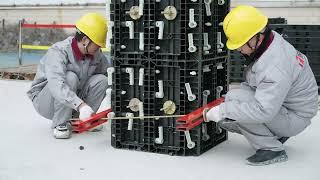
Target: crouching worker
[(279, 97), (71, 76)]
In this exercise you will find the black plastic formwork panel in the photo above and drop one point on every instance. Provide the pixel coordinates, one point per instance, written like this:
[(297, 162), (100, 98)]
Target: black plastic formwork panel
[(175, 41), (300, 34), (303, 37), (121, 42), (278, 20), (200, 75), (175, 34), (169, 60), (174, 75), (171, 41), (143, 137)]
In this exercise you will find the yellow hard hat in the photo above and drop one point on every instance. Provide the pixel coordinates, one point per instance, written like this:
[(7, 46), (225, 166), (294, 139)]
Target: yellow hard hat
[(241, 24), (94, 26)]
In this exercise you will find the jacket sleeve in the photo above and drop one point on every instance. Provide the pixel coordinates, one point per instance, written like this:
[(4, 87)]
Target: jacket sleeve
[(268, 99), (55, 70)]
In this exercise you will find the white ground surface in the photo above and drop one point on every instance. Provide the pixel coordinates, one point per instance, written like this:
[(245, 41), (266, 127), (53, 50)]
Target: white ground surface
[(28, 151)]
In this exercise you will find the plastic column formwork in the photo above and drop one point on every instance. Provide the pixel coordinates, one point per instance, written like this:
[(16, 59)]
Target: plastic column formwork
[(180, 29), (157, 71), (143, 133)]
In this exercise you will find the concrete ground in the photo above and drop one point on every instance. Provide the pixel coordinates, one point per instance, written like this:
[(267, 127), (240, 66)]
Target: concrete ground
[(29, 152)]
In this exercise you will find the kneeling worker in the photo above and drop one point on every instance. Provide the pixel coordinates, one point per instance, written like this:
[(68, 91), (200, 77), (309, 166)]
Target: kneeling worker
[(279, 97), (70, 76)]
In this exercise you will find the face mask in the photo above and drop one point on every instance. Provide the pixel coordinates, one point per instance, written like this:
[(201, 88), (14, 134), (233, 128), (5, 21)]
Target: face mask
[(257, 53)]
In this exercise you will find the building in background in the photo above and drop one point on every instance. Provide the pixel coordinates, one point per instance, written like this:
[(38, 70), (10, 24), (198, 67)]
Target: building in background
[(48, 11), (299, 12), (68, 11)]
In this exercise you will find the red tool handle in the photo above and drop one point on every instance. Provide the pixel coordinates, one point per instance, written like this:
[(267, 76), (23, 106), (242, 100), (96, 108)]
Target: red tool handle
[(195, 118), (80, 126)]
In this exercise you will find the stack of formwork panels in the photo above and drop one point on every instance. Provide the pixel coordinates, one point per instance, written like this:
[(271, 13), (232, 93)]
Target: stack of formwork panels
[(169, 59)]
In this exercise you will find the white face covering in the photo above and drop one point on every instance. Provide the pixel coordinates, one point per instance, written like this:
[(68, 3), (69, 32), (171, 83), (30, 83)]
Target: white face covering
[(257, 49), (86, 47)]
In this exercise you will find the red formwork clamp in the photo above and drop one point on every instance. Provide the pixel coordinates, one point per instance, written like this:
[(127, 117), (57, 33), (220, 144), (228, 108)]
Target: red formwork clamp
[(193, 119), (79, 126)]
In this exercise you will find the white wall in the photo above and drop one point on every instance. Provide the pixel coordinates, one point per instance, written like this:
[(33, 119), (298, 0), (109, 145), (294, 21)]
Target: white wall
[(61, 15), (295, 15), (295, 11)]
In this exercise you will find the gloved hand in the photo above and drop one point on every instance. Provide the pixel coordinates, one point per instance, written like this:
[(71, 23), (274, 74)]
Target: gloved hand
[(212, 114), (85, 111)]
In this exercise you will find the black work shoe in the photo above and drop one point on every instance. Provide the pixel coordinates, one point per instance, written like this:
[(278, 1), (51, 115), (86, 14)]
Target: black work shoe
[(229, 125), (266, 157), (283, 139)]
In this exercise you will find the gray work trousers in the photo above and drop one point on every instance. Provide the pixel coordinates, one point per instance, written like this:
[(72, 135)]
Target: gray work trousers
[(265, 135), (92, 93)]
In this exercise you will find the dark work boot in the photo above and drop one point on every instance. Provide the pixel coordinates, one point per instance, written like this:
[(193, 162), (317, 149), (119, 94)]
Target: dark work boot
[(229, 125), (283, 139), (266, 157)]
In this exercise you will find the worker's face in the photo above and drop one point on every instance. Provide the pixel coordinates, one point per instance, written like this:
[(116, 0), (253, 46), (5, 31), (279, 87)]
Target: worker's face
[(91, 47), (246, 49)]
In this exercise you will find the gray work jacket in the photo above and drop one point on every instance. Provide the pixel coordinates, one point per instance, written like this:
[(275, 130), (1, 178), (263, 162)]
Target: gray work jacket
[(53, 67), (281, 77)]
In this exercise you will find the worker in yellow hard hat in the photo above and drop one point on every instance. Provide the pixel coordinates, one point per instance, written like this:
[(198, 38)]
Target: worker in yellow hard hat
[(279, 96), (71, 76)]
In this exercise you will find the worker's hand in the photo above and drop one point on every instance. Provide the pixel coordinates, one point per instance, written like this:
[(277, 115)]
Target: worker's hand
[(85, 111), (212, 114)]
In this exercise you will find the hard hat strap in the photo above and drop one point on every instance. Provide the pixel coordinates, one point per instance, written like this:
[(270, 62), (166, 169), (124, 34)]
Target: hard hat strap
[(253, 54), (251, 58), (262, 47), (257, 41)]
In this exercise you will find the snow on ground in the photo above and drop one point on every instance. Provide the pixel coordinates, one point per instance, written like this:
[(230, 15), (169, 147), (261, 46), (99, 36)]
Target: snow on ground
[(29, 152)]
